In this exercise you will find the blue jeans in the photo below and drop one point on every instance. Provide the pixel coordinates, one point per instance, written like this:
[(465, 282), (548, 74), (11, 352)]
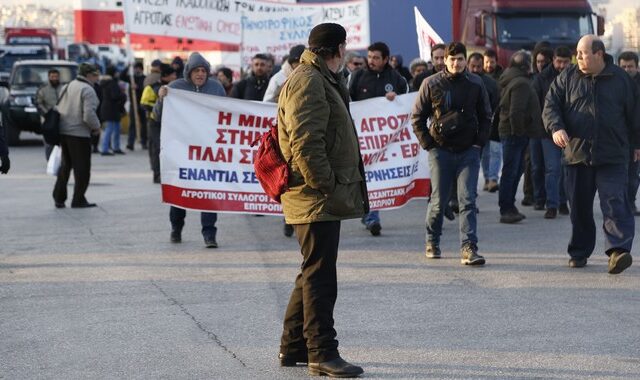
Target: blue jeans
[(491, 160), (513, 148), (111, 136), (610, 181), (371, 217), (546, 171), (207, 219), (447, 166)]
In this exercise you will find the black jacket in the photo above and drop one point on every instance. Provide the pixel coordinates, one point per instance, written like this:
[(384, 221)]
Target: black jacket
[(252, 88), (113, 100), (541, 83), (463, 92), (367, 84), (601, 115), (519, 106), (416, 82)]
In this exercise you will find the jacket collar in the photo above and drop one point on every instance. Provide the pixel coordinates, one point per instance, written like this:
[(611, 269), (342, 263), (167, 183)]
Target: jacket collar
[(606, 72), (310, 58)]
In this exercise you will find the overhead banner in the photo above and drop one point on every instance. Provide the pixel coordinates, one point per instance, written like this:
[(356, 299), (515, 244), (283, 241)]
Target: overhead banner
[(278, 33), (256, 24), (427, 37), (207, 159)]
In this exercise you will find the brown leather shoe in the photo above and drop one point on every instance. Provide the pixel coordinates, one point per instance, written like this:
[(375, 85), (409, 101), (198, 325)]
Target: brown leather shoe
[(337, 367)]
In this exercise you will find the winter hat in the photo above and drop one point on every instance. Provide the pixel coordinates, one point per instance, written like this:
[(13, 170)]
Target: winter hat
[(85, 69), (327, 35)]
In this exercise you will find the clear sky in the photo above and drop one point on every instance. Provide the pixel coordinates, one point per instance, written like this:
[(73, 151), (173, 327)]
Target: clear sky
[(614, 7)]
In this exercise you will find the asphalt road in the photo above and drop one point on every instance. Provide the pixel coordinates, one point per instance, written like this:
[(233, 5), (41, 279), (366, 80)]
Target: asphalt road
[(101, 293)]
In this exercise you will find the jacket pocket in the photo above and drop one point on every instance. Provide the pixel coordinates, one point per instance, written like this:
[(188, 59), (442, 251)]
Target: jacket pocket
[(346, 199)]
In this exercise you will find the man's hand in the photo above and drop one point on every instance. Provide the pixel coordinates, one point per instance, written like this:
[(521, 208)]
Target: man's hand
[(390, 95), (95, 132), (560, 138), (163, 91), (636, 155), (6, 164)]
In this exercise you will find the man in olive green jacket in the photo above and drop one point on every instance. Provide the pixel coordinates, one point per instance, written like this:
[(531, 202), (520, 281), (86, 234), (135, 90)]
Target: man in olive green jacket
[(326, 184)]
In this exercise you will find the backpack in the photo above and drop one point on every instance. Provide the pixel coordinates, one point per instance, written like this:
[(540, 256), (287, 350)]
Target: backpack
[(269, 164)]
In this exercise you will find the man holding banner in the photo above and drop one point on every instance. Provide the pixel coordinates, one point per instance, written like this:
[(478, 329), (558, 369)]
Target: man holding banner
[(326, 185), (377, 79), (196, 78), (459, 104)]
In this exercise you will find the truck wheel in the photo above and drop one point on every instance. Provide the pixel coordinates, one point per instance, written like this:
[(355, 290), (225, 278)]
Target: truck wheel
[(13, 133)]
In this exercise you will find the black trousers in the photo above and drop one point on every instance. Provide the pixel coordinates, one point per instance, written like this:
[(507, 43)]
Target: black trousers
[(308, 321), (610, 181), (527, 185), (76, 155), (154, 147)]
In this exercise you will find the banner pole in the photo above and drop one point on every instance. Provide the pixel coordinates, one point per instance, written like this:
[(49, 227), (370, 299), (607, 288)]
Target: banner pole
[(132, 90), (241, 44)]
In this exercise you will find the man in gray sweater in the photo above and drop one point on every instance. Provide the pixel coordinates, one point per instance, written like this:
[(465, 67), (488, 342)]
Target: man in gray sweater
[(78, 122)]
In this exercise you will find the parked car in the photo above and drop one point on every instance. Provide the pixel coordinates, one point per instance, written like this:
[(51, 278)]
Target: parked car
[(19, 112), (10, 54)]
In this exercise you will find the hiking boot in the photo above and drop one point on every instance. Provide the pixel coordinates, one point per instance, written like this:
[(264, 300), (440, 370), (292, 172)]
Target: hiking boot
[(176, 236), (469, 255), (493, 186), (288, 230), (619, 261), (563, 209), (511, 217), (433, 251), (210, 242), (551, 213), (486, 185), (577, 263), (374, 228)]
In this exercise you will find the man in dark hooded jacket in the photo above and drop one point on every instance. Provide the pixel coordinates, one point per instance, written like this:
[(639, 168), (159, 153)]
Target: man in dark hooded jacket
[(592, 111), (519, 117), (196, 79), (396, 63)]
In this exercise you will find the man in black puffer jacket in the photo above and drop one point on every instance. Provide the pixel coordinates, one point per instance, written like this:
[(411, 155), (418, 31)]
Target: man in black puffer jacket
[(377, 79), (592, 111), (453, 156)]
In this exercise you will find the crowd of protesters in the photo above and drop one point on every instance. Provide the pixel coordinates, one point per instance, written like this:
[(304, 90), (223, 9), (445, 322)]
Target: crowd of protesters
[(518, 108)]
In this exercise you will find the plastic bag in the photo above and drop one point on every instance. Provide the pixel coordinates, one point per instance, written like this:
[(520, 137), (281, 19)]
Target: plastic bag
[(53, 165)]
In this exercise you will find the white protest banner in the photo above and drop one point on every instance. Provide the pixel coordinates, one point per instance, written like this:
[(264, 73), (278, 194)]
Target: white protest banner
[(277, 33), (221, 20), (427, 37), (396, 167), (206, 154)]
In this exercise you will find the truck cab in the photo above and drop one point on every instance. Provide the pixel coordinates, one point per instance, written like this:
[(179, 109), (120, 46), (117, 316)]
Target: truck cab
[(507, 26)]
